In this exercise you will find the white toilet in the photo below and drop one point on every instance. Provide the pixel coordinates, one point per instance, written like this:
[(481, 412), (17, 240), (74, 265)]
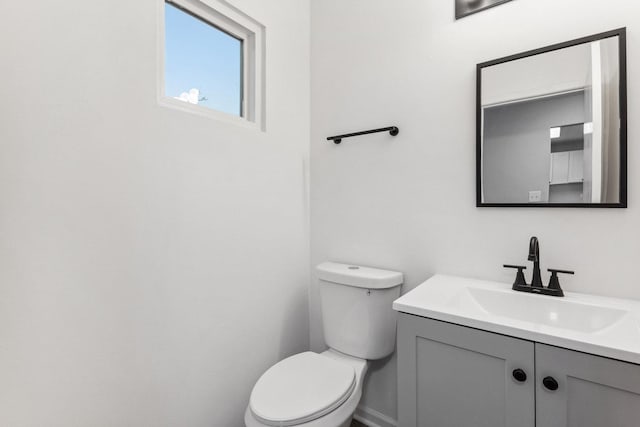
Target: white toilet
[(323, 390)]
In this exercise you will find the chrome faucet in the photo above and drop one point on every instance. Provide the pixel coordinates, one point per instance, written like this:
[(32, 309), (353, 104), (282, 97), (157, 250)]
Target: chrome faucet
[(534, 255)]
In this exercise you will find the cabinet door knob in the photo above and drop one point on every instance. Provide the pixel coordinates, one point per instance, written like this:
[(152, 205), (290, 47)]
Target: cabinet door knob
[(550, 383), (519, 375)]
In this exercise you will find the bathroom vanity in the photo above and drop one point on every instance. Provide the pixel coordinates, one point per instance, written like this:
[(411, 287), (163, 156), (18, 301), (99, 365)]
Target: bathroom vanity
[(475, 353)]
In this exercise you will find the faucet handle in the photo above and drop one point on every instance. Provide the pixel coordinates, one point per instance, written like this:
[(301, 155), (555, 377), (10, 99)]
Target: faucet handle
[(554, 270), (554, 283), (520, 280)]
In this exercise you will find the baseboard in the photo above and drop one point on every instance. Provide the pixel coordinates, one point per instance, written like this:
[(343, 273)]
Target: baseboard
[(372, 418)]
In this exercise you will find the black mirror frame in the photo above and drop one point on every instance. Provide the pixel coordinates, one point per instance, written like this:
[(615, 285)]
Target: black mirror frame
[(622, 34)]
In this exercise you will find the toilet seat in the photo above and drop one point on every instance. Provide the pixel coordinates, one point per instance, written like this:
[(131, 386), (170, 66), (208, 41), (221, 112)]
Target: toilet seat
[(300, 389)]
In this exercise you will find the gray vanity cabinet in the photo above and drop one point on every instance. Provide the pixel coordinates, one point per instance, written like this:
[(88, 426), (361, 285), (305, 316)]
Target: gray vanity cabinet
[(451, 376), (455, 376), (592, 391)]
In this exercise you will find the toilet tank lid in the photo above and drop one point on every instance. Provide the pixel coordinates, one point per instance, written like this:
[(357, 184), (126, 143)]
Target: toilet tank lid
[(359, 276)]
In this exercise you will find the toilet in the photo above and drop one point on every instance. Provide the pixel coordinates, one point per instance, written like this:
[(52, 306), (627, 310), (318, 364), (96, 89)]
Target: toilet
[(323, 389)]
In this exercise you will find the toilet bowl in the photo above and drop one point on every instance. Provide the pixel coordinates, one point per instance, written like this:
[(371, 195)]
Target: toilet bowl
[(308, 390), (323, 389)]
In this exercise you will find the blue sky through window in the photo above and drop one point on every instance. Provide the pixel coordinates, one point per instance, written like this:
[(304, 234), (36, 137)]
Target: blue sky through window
[(200, 57)]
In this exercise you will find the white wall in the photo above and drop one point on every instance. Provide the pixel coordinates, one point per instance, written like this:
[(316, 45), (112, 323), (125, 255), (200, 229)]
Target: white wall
[(153, 263), (408, 203)]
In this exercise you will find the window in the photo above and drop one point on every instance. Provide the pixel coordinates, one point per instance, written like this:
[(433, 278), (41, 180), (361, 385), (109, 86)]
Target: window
[(212, 61), (203, 64)]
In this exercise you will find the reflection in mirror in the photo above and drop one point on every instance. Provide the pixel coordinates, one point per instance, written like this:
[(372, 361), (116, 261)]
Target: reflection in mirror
[(552, 127), (566, 179)]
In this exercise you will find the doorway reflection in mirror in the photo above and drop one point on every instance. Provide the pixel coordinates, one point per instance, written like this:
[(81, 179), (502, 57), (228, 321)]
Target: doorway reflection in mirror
[(551, 127)]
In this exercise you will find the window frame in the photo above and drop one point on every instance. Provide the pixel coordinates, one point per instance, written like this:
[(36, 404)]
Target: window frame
[(235, 23)]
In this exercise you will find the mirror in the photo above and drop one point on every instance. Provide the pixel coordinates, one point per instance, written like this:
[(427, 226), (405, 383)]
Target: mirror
[(552, 126)]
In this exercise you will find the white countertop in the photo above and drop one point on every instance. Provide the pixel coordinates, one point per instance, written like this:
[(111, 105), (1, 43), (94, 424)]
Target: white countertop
[(608, 327)]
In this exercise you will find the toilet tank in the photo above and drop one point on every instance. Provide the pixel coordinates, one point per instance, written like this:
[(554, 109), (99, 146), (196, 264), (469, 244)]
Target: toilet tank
[(357, 313)]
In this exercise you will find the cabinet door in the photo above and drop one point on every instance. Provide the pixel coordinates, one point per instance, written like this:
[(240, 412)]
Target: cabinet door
[(576, 166), (592, 391), (559, 167), (453, 376)]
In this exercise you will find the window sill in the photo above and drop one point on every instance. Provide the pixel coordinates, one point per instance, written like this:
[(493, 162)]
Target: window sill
[(220, 116)]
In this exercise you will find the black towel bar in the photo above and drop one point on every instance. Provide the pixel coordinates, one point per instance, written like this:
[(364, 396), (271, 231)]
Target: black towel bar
[(393, 130)]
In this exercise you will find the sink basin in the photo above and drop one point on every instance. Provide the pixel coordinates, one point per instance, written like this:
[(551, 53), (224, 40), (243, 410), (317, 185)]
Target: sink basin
[(603, 326), (550, 311)]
